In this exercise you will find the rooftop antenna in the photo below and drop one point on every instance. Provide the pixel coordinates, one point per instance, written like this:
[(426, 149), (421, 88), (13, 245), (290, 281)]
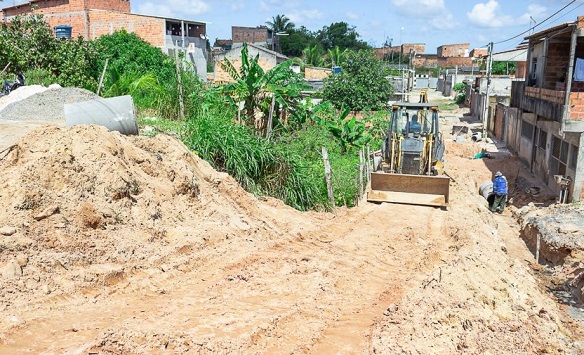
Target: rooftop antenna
[(531, 28)]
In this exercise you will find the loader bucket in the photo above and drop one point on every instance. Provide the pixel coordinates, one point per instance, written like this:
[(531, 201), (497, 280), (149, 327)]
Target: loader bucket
[(409, 189)]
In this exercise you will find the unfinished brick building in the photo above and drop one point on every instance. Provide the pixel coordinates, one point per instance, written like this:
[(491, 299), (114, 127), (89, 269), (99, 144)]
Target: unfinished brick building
[(91, 19), (453, 50)]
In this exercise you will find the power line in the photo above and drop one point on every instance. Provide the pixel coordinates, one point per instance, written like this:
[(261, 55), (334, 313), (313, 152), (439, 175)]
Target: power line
[(541, 22)]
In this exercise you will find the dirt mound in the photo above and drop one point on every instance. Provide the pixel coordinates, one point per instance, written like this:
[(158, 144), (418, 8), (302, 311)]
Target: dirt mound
[(133, 245), (47, 104), (92, 206)]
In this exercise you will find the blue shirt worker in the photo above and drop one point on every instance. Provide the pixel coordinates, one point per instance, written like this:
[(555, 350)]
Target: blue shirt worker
[(500, 191), (414, 126)]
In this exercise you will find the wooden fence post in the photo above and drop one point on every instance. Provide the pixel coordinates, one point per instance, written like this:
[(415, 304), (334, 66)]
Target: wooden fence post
[(327, 173), (101, 77), (369, 166), (271, 116), (180, 87), (361, 166)]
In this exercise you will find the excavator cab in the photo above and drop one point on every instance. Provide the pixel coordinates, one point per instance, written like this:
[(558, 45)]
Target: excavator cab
[(412, 159)]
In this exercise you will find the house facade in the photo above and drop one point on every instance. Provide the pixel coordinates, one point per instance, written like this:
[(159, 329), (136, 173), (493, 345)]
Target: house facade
[(258, 36), (453, 50), (91, 19), (267, 60), (549, 128)]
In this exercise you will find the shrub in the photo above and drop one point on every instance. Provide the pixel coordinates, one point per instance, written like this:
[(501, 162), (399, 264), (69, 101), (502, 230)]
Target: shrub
[(460, 90)]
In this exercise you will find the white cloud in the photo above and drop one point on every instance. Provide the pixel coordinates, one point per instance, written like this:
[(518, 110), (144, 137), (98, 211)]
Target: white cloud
[(489, 14), (269, 5), (174, 8), (534, 10), (303, 16), (420, 8), (444, 22), (237, 5), (352, 16), (432, 12)]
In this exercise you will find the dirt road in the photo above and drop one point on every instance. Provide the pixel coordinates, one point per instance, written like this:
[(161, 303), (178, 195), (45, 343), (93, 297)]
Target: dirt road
[(151, 251)]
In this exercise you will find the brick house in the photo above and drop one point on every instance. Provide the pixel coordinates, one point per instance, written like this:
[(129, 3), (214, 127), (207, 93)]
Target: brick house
[(259, 36), (416, 48), (548, 134), (453, 50), (478, 52), (91, 19)]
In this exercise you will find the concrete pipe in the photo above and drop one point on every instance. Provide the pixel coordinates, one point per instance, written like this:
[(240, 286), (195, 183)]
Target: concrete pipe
[(114, 113), (486, 190), (476, 137)]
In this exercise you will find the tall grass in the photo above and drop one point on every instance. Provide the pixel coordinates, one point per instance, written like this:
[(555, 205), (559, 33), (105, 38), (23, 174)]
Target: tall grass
[(344, 165), (259, 165)]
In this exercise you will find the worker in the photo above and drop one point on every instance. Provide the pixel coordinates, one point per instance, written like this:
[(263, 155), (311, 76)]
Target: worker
[(414, 126), (500, 191)]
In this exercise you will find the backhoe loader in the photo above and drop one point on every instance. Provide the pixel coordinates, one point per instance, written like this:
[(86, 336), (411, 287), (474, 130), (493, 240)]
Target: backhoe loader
[(411, 165)]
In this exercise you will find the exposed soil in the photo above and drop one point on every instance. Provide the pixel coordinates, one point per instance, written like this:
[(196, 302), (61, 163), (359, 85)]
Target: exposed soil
[(133, 245)]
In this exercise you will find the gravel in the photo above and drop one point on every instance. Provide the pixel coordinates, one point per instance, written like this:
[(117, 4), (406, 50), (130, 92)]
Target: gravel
[(20, 94), (48, 104)]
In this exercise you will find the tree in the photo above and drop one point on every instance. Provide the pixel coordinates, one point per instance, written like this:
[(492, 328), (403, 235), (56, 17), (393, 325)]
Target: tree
[(280, 23), (342, 35), (297, 40), (503, 68), (362, 84), (29, 43), (336, 57), (312, 56)]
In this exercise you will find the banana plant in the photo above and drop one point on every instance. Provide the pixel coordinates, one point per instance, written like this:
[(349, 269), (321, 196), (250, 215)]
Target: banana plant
[(255, 87), (346, 129)]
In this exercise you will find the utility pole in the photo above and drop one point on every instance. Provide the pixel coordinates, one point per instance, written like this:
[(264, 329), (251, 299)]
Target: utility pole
[(487, 99)]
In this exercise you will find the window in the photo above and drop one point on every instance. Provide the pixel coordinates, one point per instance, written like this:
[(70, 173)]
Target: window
[(527, 130), (541, 139), (559, 157), (533, 75), (573, 157)]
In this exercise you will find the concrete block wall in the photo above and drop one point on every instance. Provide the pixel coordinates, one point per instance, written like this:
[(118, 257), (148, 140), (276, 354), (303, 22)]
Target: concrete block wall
[(151, 29), (77, 20), (499, 120), (65, 6), (221, 76), (316, 73), (556, 67), (248, 34), (576, 105), (478, 52), (113, 5), (418, 48)]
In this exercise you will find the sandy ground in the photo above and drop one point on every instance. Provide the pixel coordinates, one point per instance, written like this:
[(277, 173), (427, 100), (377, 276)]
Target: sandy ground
[(136, 246)]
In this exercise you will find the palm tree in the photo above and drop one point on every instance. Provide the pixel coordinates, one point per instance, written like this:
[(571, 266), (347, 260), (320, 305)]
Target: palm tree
[(337, 57), (280, 23), (312, 55)]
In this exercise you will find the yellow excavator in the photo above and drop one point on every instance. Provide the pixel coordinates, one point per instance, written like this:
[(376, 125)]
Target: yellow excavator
[(410, 166)]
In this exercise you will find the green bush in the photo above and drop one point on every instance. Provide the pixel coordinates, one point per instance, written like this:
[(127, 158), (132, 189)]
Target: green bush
[(29, 43), (460, 90), (362, 83), (137, 68)]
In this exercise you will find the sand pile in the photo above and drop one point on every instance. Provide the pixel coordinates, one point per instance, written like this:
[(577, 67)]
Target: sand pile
[(84, 205), (42, 104), (482, 300)]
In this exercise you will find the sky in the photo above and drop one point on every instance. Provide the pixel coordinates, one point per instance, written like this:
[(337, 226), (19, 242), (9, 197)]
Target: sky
[(432, 22)]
